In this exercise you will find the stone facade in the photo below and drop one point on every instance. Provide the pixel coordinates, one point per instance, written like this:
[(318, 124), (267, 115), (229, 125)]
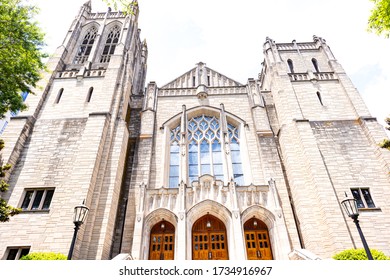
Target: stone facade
[(271, 158)]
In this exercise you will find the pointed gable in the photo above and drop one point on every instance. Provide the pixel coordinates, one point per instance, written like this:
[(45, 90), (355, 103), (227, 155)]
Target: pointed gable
[(201, 75)]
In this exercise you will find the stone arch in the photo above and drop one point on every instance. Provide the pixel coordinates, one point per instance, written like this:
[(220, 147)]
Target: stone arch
[(110, 39), (88, 26), (113, 23), (88, 37), (235, 165), (205, 109), (265, 216), (260, 213), (152, 219), (213, 208)]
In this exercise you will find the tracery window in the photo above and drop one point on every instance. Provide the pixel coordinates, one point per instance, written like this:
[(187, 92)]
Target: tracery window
[(174, 160), (236, 157), (205, 151), (111, 42), (86, 46)]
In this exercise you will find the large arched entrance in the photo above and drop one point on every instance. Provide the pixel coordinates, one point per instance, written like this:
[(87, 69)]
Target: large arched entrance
[(257, 242), (209, 240), (162, 241)]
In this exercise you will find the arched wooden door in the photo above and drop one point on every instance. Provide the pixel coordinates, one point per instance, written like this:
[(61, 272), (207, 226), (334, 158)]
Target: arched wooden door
[(209, 240), (162, 241), (257, 242)]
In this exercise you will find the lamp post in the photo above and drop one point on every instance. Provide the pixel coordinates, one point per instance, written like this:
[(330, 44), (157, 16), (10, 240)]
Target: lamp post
[(350, 207), (80, 214)]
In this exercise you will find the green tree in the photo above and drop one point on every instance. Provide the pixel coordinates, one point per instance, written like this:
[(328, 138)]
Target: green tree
[(21, 54), (6, 210), (379, 20), (386, 142)]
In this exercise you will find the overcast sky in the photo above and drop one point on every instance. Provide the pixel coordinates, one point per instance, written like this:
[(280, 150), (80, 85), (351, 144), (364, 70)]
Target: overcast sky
[(228, 36)]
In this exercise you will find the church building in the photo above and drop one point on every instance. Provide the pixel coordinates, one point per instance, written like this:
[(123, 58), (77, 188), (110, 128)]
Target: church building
[(201, 168)]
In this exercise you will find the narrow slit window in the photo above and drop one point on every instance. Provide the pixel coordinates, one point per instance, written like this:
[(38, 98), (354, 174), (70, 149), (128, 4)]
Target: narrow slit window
[(59, 95), (290, 65), (174, 158), (89, 95), (315, 64), (320, 98), (238, 173)]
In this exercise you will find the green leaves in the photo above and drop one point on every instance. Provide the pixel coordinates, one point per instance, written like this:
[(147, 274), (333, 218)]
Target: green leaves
[(125, 6), (359, 254), (44, 256), (379, 20), (6, 211), (21, 43), (386, 142)]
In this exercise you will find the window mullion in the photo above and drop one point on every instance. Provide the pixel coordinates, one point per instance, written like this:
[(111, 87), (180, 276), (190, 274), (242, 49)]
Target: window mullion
[(199, 160), (32, 200), (211, 159), (17, 257), (42, 199), (362, 197)]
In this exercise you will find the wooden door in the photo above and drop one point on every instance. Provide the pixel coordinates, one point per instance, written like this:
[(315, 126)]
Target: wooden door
[(209, 239), (162, 241), (257, 242)]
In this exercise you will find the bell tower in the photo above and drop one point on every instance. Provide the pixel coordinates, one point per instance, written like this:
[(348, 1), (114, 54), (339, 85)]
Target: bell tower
[(72, 143), (328, 142)]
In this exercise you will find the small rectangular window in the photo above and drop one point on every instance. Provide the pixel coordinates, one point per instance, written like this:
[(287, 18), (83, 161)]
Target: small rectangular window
[(363, 198), (39, 199), (17, 252)]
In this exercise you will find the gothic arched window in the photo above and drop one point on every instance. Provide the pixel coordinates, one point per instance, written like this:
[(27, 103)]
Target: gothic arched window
[(205, 150), (111, 42), (85, 46), (320, 98), (236, 157), (174, 159), (315, 64), (290, 65)]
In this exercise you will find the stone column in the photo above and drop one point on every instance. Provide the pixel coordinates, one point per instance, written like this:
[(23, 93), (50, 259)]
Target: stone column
[(237, 237), (139, 225), (181, 230)]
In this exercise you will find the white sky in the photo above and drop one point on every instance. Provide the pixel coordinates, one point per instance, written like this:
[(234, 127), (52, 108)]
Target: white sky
[(228, 35)]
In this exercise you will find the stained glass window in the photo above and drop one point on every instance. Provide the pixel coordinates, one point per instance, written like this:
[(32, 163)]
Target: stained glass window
[(174, 160), (238, 173), (205, 154)]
